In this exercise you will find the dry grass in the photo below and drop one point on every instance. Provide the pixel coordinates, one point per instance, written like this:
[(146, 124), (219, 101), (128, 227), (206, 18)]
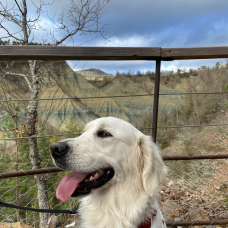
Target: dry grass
[(14, 225)]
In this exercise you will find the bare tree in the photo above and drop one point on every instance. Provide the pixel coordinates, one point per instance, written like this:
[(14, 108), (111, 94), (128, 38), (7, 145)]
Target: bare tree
[(81, 17)]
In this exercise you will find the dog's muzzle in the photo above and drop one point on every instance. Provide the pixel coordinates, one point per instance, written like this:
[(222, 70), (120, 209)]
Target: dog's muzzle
[(59, 149)]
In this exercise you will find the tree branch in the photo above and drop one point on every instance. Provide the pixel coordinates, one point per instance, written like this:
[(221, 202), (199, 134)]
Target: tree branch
[(21, 75), (84, 18), (66, 37), (10, 35), (18, 6)]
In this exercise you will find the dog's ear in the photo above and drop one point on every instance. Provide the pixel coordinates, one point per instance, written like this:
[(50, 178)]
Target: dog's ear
[(150, 164)]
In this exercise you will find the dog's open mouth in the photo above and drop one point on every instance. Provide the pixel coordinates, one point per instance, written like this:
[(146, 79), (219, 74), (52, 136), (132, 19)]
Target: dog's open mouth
[(77, 184)]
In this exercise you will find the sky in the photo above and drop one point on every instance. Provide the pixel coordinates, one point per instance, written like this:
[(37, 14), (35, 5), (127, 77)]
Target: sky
[(150, 23)]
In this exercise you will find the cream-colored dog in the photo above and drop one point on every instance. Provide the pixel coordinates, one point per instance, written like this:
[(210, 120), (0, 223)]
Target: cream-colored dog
[(117, 172)]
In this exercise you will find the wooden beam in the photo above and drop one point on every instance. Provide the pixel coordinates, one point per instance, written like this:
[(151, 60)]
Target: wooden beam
[(110, 53), (194, 53), (78, 53)]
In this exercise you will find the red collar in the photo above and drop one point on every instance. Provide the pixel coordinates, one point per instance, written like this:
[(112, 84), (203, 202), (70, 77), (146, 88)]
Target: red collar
[(147, 224)]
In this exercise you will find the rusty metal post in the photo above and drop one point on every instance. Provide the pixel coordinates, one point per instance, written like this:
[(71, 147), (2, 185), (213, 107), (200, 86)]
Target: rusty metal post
[(156, 99)]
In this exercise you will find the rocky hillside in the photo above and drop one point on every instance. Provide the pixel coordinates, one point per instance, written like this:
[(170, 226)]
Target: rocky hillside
[(93, 73), (60, 81)]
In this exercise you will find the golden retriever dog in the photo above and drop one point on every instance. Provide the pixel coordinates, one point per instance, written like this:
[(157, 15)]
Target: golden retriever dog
[(116, 173)]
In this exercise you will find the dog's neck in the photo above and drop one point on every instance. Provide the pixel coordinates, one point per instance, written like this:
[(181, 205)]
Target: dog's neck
[(117, 206)]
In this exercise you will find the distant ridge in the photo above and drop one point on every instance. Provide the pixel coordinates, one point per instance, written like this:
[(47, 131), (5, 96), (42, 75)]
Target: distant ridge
[(92, 72)]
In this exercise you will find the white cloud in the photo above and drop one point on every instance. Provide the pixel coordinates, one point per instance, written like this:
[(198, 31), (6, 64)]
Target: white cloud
[(133, 41), (189, 64)]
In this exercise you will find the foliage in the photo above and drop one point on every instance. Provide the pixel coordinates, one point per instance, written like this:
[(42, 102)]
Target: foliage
[(190, 71), (54, 139), (117, 74), (182, 73), (178, 71), (226, 86), (195, 73), (164, 144), (72, 126), (10, 119), (152, 76), (203, 67), (8, 42), (217, 65), (138, 73), (188, 148), (5, 42)]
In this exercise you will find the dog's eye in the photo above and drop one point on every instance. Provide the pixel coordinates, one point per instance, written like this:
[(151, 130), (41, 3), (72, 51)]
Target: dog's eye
[(104, 134)]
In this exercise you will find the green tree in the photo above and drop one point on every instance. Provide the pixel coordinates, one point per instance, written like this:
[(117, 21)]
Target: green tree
[(72, 126), (4, 42), (179, 72), (11, 129), (217, 65), (138, 73), (164, 144), (204, 67)]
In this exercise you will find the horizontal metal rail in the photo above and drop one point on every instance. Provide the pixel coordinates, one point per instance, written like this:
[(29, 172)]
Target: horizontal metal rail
[(30, 52), (30, 172), (80, 98), (208, 125), (55, 169), (195, 157), (196, 223)]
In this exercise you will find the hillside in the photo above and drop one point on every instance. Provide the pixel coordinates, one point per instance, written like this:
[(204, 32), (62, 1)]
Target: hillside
[(60, 81), (93, 73)]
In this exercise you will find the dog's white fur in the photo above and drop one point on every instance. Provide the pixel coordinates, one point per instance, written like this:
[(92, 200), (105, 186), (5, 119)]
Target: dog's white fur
[(130, 197)]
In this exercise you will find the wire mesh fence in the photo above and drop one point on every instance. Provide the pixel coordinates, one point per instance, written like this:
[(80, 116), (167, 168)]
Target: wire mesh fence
[(27, 196), (195, 190)]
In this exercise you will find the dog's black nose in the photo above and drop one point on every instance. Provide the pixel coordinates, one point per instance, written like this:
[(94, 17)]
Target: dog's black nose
[(59, 149)]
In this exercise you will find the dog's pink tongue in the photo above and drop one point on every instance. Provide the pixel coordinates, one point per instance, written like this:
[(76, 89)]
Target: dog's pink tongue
[(68, 185)]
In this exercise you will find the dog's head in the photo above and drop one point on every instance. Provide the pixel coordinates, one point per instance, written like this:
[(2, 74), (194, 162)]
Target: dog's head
[(106, 152)]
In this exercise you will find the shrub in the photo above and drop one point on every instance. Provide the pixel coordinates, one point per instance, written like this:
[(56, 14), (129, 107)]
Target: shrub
[(164, 144)]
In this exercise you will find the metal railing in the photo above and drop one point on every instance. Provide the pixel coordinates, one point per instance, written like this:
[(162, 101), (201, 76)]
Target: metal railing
[(113, 53)]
